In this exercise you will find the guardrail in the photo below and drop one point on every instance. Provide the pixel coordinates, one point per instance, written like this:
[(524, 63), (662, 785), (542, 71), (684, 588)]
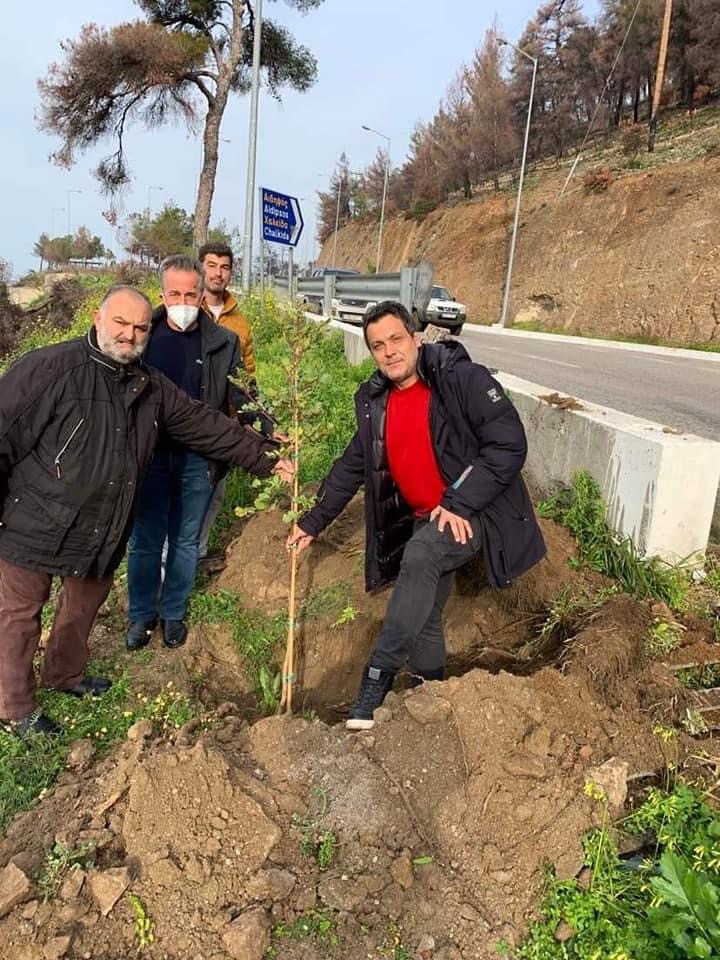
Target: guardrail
[(412, 286)]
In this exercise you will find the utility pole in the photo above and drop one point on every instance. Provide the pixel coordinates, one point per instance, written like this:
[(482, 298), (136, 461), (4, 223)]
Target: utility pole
[(252, 150), (660, 75)]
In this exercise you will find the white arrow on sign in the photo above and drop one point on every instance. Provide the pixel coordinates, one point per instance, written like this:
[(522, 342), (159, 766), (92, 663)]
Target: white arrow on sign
[(299, 222)]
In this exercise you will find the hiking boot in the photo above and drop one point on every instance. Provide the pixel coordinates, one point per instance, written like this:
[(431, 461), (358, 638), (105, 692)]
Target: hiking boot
[(174, 633), (139, 633), (88, 687), (34, 723), (418, 677), (375, 686)]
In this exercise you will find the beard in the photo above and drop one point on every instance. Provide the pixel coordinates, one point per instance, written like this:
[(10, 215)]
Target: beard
[(111, 348)]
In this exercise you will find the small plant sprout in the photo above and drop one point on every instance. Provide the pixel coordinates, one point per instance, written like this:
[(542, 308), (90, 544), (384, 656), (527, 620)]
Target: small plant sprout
[(59, 861), (144, 926), (664, 637), (347, 615)]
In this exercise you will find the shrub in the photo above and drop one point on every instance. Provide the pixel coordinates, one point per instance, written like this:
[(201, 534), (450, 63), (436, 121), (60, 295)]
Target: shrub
[(597, 180)]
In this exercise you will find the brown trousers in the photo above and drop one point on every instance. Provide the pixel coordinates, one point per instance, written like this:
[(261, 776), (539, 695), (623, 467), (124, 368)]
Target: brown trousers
[(23, 594)]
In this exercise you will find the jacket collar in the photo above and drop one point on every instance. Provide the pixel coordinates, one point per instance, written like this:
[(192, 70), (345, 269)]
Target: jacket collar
[(229, 304), (433, 360), (114, 367)]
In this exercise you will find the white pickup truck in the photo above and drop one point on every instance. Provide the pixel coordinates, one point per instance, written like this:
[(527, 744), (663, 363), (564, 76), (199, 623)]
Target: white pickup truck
[(443, 310)]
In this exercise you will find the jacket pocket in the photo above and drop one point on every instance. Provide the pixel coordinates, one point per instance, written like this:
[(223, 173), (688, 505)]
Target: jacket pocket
[(36, 523), (63, 449)]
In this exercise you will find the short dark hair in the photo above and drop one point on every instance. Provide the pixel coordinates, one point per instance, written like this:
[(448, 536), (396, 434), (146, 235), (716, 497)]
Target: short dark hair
[(392, 308), (218, 249)]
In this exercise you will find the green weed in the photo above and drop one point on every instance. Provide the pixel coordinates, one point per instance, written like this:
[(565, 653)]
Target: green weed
[(582, 510), (665, 908), (664, 636), (144, 926), (316, 925), (317, 841), (59, 861)]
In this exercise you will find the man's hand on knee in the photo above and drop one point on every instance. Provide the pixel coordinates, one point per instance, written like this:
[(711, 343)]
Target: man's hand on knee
[(459, 526)]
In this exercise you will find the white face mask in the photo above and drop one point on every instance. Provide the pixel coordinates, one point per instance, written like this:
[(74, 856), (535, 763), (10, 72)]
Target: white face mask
[(183, 315)]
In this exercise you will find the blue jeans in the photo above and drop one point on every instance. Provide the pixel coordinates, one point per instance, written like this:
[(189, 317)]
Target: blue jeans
[(172, 504)]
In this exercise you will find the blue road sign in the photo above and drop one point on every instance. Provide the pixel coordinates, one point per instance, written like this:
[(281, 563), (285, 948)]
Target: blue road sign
[(282, 221)]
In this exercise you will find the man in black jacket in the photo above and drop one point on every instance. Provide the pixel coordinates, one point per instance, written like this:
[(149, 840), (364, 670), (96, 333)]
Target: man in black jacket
[(198, 356), (439, 448), (79, 423)]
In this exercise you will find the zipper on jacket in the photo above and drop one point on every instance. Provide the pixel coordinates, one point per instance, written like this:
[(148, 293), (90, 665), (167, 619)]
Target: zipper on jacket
[(66, 445)]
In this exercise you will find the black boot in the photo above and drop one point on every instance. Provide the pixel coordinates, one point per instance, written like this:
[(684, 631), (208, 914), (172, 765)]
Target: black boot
[(174, 633), (418, 677), (35, 723), (139, 633), (375, 686)]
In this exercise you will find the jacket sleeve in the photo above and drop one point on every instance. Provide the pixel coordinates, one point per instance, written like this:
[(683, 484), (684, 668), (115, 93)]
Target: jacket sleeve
[(501, 441), (337, 490), (212, 434), (26, 407)]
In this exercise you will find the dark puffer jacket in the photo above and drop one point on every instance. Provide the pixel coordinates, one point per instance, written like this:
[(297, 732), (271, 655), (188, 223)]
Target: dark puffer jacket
[(480, 447), (77, 431)]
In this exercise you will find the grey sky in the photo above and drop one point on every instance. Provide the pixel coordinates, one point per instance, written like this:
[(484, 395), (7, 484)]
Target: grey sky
[(381, 63)]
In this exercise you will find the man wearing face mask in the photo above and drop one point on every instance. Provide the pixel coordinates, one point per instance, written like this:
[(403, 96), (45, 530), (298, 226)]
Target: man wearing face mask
[(198, 357)]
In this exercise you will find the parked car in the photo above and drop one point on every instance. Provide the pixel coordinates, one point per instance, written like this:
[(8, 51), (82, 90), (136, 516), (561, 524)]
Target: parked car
[(442, 310), (314, 301)]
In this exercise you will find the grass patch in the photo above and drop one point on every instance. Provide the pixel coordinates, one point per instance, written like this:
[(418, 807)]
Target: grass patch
[(582, 510), (537, 326), (28, 767), (256, 635), (664, 907)]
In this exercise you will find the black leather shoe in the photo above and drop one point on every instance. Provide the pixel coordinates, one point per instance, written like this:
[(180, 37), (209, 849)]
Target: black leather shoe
[(35, 723), (139, 634), (89, 687), (174, 633)]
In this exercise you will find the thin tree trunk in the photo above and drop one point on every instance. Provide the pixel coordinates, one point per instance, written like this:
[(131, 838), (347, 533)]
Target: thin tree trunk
[(206, 183)]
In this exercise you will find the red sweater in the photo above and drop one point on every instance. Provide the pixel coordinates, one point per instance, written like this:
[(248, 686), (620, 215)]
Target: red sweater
[(410, 450)]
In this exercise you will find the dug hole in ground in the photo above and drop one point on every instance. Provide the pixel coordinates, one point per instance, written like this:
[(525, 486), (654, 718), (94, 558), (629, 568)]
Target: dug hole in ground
[(427, 836)]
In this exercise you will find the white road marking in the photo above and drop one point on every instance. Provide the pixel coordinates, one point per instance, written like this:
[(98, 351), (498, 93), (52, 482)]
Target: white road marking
[(561, 363)]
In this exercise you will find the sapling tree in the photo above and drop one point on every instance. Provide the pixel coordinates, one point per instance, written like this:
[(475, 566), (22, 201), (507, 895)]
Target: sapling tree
[(294, 402)]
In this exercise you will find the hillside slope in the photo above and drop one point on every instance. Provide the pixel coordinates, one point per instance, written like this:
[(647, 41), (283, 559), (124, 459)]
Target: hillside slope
[(640, 258)]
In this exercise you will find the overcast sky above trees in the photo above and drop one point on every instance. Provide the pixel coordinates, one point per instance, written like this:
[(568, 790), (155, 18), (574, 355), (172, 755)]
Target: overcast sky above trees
[(386, 65)]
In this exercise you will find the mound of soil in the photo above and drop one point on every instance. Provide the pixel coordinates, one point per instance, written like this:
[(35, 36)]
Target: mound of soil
[(444, 817), (484, 627), (435, 827)]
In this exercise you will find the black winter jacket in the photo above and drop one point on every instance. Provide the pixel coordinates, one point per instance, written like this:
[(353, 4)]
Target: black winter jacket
[(221, 359), (77, 431), (480, 447)]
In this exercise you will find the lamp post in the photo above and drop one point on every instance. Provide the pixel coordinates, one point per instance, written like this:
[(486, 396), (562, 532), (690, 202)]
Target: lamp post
[(69, 225), (508, 278), (150, 190), (52, 219), (385, 183), (252, 148)]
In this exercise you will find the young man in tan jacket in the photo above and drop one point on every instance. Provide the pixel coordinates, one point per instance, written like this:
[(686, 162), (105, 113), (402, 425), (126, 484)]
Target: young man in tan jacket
[(218, 302)]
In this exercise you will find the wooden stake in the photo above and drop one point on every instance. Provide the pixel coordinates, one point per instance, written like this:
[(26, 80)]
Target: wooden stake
[(288, 670)]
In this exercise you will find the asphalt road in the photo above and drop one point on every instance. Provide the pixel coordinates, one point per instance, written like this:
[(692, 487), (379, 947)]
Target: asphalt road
[(667, 388)]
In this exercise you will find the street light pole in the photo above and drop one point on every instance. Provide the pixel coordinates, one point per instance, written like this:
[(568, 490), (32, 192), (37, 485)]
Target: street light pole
[(252, 148), (508, 278), (69, 226), (385, 184)]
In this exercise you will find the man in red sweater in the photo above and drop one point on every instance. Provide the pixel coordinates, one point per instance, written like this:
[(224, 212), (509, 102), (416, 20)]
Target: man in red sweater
[(439, 448)]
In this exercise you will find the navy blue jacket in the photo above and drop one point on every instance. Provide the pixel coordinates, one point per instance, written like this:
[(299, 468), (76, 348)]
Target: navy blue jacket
[(480, 446)]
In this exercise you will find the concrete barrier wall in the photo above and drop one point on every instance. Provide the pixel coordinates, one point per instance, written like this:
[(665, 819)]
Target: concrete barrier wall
[(661, 488)]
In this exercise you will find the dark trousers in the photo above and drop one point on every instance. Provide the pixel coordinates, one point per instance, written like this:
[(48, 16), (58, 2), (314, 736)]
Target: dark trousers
[(172, 505), (413, 627), (23, 594)]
